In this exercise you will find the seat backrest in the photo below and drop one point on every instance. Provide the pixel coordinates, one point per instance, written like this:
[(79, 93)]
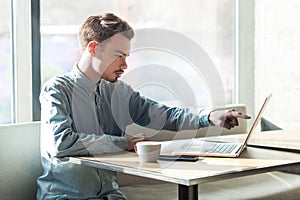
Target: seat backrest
[(20, 162)]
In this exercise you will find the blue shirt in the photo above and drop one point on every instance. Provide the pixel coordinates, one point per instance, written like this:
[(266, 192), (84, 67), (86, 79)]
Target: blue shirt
[(83, 118)]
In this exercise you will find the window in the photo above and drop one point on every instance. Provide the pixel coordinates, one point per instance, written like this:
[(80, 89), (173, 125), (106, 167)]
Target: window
[(208, 24), (5, 63), (277, 60)]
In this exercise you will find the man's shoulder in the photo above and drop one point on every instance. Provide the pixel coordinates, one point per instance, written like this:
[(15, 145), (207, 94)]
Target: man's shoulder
[(59, 81)]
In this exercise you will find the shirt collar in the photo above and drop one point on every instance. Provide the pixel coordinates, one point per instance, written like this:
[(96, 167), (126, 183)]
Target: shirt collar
[(83, 79)]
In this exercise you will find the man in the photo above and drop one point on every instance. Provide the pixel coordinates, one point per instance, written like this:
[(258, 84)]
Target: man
[(86, 112)]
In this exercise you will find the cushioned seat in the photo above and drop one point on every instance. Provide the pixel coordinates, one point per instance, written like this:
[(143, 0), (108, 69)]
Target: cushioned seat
[(272, 185), (20, 160)]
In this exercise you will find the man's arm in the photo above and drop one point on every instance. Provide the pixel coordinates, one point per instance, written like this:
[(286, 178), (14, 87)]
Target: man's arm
[(151, 114), (58, 135)]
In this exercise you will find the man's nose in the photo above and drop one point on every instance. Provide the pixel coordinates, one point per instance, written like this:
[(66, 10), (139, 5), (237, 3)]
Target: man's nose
[(123, 63)]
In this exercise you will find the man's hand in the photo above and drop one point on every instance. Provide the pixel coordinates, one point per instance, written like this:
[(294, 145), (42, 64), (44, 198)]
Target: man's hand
[(226, 118), (132, 140)]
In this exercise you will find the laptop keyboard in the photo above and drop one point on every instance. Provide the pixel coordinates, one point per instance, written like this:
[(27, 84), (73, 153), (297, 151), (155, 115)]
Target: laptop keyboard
[(222, 148)]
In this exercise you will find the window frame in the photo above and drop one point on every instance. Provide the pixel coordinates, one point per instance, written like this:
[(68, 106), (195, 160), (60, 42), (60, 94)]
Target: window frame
[(244, 54), (25, 60)]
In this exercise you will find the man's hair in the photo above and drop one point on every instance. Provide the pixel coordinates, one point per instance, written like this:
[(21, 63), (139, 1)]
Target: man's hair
[(101, 28)]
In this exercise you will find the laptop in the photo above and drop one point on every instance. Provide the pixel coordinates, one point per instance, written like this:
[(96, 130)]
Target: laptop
[(219, 148)]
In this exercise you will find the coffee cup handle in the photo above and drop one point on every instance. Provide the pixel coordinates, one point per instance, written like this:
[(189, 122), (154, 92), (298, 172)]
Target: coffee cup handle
[(135, 148)]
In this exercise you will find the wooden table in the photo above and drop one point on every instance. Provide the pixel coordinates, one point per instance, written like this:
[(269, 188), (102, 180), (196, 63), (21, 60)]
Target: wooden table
[(284, 140), (189, 174)]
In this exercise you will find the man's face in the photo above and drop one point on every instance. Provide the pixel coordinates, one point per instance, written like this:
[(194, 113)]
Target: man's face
[(113, 57)]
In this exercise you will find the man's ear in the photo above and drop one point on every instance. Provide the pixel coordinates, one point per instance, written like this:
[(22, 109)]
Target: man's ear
[(91, 48)]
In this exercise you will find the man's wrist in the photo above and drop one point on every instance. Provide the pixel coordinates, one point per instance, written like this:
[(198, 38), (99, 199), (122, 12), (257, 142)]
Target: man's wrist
[(121, 142), (209, 118), (205, 117)]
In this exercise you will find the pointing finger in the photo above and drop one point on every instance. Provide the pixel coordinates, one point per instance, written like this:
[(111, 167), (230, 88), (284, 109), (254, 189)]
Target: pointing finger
[(240, 115)]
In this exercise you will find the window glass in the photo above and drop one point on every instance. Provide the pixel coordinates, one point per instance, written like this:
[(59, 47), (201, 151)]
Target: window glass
[(5, 63), (277, 60), (208, 23)]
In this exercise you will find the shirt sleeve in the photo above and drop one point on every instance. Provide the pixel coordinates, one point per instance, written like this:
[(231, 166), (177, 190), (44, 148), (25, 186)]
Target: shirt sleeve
[(152, 114), (59, 138)]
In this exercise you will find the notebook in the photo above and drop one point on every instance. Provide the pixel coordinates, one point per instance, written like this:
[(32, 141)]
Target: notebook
[(218, 148)]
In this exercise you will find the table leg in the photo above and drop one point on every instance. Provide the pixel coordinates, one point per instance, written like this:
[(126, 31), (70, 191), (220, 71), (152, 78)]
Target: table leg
[(188, 192)]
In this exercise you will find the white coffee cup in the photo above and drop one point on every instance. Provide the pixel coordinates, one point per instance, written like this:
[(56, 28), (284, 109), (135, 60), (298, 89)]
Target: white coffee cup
[(148, 151)]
